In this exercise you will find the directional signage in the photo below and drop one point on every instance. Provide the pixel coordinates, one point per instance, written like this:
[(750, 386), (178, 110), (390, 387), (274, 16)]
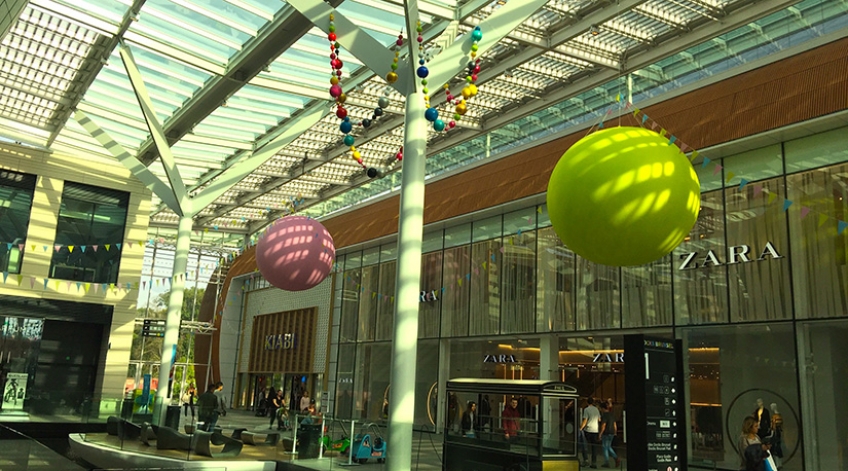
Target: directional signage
[(655, 431), (153, 328)]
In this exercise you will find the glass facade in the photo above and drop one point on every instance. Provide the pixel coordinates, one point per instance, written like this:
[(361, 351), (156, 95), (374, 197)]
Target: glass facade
[(757, 292), (16, 190), (90, 218)]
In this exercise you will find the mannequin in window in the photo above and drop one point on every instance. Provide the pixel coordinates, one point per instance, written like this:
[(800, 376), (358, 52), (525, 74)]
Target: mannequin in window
[(764, 417), (777, 436)]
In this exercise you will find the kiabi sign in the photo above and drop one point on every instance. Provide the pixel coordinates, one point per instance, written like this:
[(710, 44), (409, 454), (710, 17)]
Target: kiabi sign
[(279, 342), (735, 254)]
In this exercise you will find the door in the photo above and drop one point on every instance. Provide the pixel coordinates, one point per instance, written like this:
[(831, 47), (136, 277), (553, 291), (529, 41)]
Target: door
[(20, 338)]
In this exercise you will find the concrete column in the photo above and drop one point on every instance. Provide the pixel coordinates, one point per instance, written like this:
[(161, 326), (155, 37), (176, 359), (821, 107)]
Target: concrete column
[(410, 235), (172, 321)]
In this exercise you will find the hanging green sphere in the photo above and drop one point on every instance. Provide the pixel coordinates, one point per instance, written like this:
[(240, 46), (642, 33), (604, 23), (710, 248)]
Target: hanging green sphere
[(349, 140), (439, 125), (623, 196)]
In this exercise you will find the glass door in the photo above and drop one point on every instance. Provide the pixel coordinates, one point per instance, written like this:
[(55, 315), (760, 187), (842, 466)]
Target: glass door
[(20, 339)]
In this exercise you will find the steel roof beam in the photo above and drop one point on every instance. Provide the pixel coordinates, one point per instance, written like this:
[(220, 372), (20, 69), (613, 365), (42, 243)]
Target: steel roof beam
[(273, 40)]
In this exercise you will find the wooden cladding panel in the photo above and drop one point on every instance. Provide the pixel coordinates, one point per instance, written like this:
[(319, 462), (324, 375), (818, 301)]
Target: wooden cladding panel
[(808, 85), (302, 323)]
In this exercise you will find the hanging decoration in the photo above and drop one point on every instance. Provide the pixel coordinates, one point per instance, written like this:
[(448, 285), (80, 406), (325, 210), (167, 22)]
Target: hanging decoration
[(470, 88), (337, 91)]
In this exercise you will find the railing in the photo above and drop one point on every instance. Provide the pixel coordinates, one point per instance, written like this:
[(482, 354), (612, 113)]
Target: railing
[(20, 452)]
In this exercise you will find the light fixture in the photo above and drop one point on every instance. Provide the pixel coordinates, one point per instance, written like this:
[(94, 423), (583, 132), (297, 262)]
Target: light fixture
[(594, 30)]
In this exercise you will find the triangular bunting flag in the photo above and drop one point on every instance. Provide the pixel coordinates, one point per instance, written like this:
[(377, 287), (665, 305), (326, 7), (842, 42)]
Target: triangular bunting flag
[(71, 248), (705, 162), (112, 286), (57, 247), (82, 247), (68, 286), (21, 247), (95, 247), (742, 183), (79, 286), (8, 246), (822, 219), (44, 247), (104, 286), (662, 132), (5, 275), (87, 287), (672, 139), (730, 176), (20, 279), (96, 288), (804, 211), (57, 285), (129, 244), (118, 246), (772, 197), (45, 283), (33, 247), (758, 189), (107, 246), (143, 285), (717, 169), (644, 118), (693, 156), (31, 282), (141, 243), (841, 225), (786, 204)]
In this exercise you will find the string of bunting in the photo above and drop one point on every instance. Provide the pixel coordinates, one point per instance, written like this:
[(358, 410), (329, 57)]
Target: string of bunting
[(715, 168)]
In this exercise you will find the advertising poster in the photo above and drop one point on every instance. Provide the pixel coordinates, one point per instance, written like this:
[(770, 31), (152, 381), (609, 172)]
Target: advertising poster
[(14, 391)]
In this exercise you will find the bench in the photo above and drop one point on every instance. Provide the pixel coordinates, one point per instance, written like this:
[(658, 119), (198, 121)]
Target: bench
[(170, 439), (128, 430), (112, 425), (271, 437), (202, 441), (149, 432)]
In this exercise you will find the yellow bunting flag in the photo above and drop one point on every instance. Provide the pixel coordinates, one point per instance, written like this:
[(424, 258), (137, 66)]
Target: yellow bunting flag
[(112, 286), (107, 246), (693, 156), (71, 248), (772, 197), (662, 132), (459, 281), (33, 246), (141, 244), (822, 219), (57, 285), (730, 176), (539, 209), (20, 278), (87, 287)]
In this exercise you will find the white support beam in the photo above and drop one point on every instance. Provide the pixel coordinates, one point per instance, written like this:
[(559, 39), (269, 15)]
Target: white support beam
[(410, 63), (365, 48), (294, 128), (497, 26), (156, 131), (157, 186)]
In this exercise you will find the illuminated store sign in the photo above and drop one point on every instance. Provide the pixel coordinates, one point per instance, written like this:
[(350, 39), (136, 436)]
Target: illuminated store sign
[(607, 358), (279, 342), (428, 296), (735, 254), (499, 359)]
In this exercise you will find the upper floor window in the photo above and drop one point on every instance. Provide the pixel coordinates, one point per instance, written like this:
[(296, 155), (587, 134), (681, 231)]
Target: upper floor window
[(89, 234), (16, 190)]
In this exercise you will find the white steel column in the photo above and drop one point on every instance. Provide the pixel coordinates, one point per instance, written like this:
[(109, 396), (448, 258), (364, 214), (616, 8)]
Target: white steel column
[(172, 322), (410, 235)]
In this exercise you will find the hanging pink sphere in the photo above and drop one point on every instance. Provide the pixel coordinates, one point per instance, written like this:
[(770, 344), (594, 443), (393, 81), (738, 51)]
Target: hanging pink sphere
[(295, 254), (474, 78), (339, 72), (332, 55), (335, 91), (336, 63), (476, 69)]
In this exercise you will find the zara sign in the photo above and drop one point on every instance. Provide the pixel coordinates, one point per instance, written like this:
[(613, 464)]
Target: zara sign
[(735, 254)]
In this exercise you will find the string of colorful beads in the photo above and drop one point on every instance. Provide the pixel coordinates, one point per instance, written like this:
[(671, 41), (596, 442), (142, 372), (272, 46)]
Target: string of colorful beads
[(470, 89), (336, 90), (431, 114)]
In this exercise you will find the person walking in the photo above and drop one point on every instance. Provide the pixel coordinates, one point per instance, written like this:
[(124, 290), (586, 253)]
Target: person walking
[(206, 408), (511, 420), (591, 426), (749, 436), (608, 431), (274, 407), (304, 402), (188, 398)]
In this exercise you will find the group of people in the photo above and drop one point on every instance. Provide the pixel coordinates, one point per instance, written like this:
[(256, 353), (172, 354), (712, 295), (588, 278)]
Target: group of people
[(598, 428), (275, 407), (761, 442), (210, 405)]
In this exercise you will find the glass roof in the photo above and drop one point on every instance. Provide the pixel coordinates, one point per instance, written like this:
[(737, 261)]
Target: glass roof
[(225, 77)]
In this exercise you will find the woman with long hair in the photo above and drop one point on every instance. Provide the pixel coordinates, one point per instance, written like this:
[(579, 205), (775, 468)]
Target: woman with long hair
[(749, 437)]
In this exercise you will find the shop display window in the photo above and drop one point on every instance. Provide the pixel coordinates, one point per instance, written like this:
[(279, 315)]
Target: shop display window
[(646, 294), (16, 190), (484, 277), (819, 288), (89, 217), (456, 298), (429, 305), (351, 280), (598, 296), (555, 286), (736, 372), (700, 292), (386, 308)]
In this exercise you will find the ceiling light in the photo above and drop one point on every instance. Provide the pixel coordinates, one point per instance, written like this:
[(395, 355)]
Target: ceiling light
[(594, 30)]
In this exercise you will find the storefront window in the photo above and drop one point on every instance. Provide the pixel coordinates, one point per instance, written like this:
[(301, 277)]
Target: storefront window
[(646, 294), (741, 371), (429, 305), (484, 278), (426, 379), (90, 219), (518, 283), (757, 265), (825, 363), (819, 286), (386, 307), (700, 284), (371, 383), (598, 296), (350, 305), (455, 299), (344, 382), (16, 190), (370, 297), (816, 151), (555, 287)]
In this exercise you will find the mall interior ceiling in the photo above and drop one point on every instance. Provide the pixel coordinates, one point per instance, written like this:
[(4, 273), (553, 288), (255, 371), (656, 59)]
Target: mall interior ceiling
[(237, 79)]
